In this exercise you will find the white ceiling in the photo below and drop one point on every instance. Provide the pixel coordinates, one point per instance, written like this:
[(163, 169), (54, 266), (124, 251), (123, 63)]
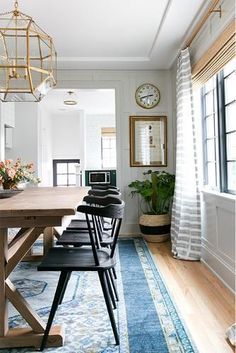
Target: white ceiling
[(91, 101), (112, 34)]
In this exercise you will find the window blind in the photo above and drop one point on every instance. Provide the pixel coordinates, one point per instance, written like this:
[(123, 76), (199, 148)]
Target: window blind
[(216, 57), (108, 131)]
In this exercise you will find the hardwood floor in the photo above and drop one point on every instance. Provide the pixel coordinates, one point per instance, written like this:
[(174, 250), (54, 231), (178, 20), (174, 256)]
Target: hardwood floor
[(205, 304)]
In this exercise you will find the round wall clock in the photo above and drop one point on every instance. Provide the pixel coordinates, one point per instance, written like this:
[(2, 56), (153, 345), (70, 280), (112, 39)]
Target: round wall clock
[(147, 95)]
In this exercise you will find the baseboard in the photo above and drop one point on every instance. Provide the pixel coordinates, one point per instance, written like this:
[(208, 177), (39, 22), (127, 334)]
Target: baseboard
[(218, 267), (134, 235), (129, 228)]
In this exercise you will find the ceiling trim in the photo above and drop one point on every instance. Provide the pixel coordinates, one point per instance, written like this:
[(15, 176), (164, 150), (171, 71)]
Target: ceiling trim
[(160, 27), (190, 29), (193, 24), (106, 58)]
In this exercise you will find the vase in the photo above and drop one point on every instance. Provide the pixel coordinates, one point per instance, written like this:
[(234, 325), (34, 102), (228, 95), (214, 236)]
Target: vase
[(9, 185), (155, 228)]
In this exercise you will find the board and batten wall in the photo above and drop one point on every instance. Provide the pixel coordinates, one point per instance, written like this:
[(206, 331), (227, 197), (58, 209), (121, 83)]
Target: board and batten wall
[(218, 209), (35, 131)]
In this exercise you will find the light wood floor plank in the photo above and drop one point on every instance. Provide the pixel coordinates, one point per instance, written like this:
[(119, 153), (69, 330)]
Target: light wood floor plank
[(205, 304)]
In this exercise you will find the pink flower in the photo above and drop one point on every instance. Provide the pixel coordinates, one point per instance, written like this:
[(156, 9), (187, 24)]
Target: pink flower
[(11, 173), (17, 172), (8, 162)]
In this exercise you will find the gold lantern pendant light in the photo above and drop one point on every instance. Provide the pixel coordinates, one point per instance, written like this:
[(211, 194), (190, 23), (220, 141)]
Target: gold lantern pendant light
[(27, 59)]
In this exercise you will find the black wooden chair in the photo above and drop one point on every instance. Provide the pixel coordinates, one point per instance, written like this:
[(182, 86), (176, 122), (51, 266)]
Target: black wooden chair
[(104, 187), (77, 232), (96, 192), (91, 258), (79, 224)]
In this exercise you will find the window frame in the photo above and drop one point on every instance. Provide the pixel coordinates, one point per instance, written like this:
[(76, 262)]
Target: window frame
[(219, 113), (55, 162), (205, 116), (110, 133)]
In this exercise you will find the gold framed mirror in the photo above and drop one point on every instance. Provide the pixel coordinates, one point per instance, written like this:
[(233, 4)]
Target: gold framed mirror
[(148, 141)]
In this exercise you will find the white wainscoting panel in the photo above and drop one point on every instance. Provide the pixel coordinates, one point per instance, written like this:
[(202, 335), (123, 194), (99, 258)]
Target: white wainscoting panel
[(218, 229)]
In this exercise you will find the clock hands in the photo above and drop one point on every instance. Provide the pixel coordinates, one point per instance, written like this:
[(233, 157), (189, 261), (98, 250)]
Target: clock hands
[(148, 95)]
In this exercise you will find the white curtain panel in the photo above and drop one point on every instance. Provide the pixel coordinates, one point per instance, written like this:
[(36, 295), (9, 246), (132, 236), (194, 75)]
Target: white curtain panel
[(186, 220)]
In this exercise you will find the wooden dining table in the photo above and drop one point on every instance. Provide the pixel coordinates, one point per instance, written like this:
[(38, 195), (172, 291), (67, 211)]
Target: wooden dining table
[(35, 212)]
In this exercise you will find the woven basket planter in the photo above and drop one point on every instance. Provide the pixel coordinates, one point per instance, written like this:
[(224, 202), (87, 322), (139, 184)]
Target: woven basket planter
[(155, 228)]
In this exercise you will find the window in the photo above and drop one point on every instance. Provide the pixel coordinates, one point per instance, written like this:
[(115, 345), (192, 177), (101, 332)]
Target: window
[(219, 130), (108, 144), (65, 172)]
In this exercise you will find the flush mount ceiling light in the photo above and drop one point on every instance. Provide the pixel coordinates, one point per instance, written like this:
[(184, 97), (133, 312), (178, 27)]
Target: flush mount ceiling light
[(71, 98), (27, 58)]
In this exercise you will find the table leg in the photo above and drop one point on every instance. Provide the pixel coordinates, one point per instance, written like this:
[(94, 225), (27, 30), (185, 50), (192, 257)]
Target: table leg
[(48, 239), (9, 258), (3, 299)]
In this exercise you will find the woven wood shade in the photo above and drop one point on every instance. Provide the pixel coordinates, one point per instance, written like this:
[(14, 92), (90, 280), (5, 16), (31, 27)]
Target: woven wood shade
[(108, 131), (217, 56)]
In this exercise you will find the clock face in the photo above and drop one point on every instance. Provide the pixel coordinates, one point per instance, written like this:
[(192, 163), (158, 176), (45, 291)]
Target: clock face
[(147, 96)]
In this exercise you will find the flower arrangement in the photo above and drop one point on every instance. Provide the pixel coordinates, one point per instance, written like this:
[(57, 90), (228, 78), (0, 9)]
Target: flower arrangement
[(12, 173)]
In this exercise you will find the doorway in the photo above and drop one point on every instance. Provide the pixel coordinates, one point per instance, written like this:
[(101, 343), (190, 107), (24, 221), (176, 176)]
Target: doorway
[(85, 131)]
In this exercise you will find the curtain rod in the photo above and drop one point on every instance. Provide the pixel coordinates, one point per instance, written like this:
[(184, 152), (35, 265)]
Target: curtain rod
[(202, 21)]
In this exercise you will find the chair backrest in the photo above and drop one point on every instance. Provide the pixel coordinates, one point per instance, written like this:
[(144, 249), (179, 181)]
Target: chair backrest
[(102, 224), (104, 187), (104, 192), (102, 200), (113, 211)]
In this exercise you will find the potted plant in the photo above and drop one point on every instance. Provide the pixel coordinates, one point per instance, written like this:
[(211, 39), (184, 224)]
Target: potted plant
[(156, 191)]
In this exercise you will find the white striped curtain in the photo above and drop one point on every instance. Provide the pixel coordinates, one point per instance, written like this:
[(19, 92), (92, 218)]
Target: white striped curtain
[(186, 221)]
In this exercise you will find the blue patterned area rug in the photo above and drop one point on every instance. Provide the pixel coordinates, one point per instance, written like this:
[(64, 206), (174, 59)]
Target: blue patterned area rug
[(147, 319)]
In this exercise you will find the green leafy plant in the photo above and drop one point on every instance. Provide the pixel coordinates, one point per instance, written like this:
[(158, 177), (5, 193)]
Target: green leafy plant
[(156, 190)]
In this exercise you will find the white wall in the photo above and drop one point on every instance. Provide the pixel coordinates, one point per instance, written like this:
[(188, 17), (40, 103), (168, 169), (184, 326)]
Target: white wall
[(61, 136), (25, 134), (7, 118), (125, 84), (93, 124), (218, 235), (65, 138), (44, 146)]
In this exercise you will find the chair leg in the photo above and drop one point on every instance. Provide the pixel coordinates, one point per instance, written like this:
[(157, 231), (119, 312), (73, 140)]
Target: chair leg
[(114, 272), (113, 284), (108, 304), (64, 287), (110, 290), (60, 287)]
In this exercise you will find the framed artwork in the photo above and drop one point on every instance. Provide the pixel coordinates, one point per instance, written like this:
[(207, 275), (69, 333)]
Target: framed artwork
[(148, 141)]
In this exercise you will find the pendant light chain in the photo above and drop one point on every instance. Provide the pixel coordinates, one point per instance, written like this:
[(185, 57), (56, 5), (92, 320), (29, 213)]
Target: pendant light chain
[(16, 13), (16, 5)]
